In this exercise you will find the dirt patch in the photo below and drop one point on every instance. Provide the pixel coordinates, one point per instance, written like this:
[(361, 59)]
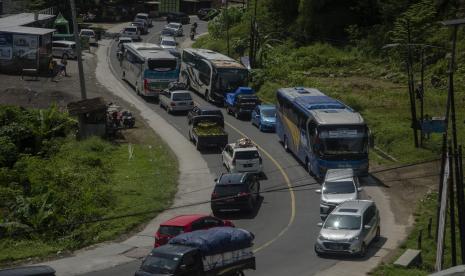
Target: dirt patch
[(406, 186)]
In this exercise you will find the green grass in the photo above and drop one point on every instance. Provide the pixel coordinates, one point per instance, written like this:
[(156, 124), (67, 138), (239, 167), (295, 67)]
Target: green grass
[(425, 210), (145, 182)]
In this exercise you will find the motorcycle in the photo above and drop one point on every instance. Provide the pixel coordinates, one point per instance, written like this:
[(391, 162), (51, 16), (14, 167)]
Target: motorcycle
[(128, 120), (192, 35)]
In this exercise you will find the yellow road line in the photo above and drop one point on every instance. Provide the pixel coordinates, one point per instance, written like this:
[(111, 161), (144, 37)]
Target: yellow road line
[(288, 183)]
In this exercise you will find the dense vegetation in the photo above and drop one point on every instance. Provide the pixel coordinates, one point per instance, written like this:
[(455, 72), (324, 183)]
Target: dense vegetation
[(51, 184)]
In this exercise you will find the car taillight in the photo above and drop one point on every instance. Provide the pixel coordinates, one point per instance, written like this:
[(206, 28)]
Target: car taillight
[(173, 104), (215, 195), (146, 85), (241, 194)]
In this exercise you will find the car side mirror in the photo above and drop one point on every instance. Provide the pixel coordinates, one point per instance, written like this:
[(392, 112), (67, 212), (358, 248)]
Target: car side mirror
[(319, 224), (318, 191), (359, 189), (367, 227)]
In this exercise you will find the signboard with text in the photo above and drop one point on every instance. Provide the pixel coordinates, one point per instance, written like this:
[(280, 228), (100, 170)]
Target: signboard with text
[(25, 46), (6, 46)]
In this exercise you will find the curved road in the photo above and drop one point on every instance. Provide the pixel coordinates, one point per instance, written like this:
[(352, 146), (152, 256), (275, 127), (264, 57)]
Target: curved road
[(285, 223)]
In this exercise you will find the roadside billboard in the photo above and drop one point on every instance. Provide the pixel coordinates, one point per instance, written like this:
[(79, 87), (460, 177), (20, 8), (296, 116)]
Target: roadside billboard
[(25, 46), (6, 46)]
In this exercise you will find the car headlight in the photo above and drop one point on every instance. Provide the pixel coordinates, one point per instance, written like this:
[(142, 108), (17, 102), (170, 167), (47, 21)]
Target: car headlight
[(321, 238), (355, 238)]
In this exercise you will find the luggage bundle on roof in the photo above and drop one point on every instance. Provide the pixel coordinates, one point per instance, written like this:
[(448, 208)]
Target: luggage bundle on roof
[(244, 143), (216, 240)]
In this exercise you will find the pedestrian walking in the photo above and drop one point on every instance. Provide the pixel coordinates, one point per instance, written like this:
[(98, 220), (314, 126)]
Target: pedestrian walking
[(54, 70), (64, 62)]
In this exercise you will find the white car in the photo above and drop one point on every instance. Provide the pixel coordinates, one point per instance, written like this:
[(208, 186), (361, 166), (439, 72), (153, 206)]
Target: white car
[(144, 16), (132, 32), (90, 34), (178, 100), (64, 48), (176, 28), (168, 42), (339, 185), (242, 156)]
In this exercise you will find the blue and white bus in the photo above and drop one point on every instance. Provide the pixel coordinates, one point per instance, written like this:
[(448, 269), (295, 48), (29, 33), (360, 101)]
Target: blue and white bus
[(149, 68), (323, 133)]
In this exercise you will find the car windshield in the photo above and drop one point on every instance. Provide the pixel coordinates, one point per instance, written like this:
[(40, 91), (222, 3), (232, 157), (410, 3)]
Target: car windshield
[(168, 43), (87, 33), (182, 97), (160, 263), (343, 140), (339, 187), (229, 79), (230, 189), (250, 154), (342, 222), (162, 65), (131, 30), (173, 26), (268, 112), (141, 17), (170, 230)]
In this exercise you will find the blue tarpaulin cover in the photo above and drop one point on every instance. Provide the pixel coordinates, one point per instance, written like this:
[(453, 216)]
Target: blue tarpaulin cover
[(216, 240), (231, 97)]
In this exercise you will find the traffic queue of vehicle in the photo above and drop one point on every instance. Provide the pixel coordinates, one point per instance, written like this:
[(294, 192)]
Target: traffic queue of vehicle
[(326, 135)]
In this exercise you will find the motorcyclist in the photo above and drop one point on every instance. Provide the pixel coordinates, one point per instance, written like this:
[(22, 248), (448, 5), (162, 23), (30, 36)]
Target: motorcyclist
[(193, 30)]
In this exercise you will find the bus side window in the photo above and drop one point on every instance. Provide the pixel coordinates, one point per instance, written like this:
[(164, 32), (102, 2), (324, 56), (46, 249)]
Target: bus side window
[(204, 72), (312, 130)]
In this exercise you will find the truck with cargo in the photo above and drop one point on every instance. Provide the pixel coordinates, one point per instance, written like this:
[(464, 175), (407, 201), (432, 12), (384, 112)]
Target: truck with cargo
[(242, 102), (208, 131), (218, 251)]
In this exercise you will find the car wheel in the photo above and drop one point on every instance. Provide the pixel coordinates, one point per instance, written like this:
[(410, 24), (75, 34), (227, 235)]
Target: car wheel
[(197, 145), (286, 146), (363, 250), (260, 127), (319, 254), (309, 168), (378, 234), (123, 76), (161, 105), (236, 114)]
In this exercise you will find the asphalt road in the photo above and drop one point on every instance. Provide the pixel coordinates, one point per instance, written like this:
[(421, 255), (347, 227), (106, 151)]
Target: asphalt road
[(285, 222)]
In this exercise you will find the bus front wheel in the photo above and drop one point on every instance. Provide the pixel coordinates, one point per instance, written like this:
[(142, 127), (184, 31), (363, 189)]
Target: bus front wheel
[(309, 168), (286, 146)]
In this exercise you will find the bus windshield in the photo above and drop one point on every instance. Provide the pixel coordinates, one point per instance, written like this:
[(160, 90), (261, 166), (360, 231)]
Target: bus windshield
[(160, 263), (162, 64), (343, 140), (229, 78)]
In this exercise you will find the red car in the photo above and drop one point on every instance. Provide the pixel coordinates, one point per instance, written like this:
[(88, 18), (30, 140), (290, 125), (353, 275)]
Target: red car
[(186, 223)]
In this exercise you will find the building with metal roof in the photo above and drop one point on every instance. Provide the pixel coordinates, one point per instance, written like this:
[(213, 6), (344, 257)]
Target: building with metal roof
[(25, 19)]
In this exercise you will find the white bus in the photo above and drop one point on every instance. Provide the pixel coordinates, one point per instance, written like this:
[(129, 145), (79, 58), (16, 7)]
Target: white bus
[(211, 74), (149, 68)]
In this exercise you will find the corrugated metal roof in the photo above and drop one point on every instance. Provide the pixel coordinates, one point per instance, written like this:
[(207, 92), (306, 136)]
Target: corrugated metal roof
[(26, 30), (22, 19), (86, 106)]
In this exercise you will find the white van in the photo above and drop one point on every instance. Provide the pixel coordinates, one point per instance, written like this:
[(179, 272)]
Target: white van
[(64, 48), (145, 17), (132, 32)]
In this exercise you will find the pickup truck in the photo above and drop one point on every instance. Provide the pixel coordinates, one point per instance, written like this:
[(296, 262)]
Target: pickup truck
[(242, 102), (218, 251), (207, 131)]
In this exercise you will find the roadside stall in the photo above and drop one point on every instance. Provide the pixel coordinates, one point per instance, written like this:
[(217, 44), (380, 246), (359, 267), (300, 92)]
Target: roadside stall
[(25, 48)]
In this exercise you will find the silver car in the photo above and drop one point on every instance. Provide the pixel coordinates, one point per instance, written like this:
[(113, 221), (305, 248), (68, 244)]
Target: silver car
[(64, 48), (176, 28), (178, 100), (349, 229), (339, 185)]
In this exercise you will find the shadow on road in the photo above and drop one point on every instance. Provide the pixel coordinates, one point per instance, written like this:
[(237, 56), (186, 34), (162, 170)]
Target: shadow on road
[(373, 249)]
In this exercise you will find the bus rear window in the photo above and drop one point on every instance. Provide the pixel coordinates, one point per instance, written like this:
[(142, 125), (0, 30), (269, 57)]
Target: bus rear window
[(162, 65)]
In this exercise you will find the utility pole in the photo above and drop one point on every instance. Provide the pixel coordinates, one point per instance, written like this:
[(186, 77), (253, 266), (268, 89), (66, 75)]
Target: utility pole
[(421, 93), (411, 87), (253, 37), (227, 26), (78, 50), (453, 246)]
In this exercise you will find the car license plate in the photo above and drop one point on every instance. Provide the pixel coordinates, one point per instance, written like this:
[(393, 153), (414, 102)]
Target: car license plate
[(182, 103)]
